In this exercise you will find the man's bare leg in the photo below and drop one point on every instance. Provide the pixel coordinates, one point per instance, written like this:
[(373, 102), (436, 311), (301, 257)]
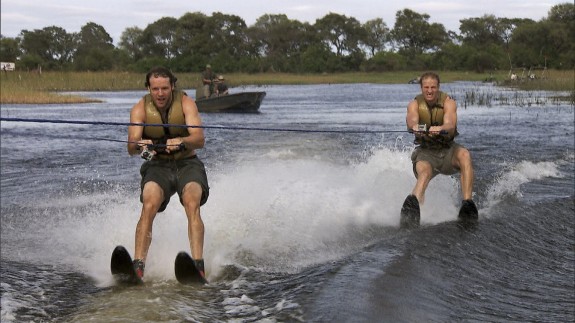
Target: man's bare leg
[(152, 197), (191, 197), (424, 172)]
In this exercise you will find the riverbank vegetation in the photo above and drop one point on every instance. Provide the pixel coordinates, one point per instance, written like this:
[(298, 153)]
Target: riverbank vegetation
[(47, 87), (515, 52), (334, 43)]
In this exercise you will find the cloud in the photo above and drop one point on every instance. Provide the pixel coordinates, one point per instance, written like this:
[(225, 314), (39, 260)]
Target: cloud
[(117, 15)]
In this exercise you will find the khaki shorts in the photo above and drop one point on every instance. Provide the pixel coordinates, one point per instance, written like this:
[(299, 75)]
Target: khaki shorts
[(440, 159), (207, 92), (173, 175)]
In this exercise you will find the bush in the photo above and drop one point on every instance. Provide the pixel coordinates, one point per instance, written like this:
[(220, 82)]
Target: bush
[(385, 61)]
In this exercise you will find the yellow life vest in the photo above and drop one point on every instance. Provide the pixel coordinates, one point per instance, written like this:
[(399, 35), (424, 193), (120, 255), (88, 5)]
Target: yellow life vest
[(159, 134), (432, 116)]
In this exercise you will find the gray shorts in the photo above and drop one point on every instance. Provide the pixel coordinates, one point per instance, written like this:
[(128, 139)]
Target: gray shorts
[(173, 175), (440, 159)]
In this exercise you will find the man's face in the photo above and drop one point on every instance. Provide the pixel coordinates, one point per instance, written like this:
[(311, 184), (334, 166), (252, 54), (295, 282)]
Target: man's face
[(429, 89), (161, 91)]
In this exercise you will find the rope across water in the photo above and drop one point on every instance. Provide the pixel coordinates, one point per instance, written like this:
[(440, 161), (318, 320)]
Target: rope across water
[(109, 123)]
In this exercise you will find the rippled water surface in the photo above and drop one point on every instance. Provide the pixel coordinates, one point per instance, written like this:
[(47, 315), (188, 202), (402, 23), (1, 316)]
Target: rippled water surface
[(300, 225)]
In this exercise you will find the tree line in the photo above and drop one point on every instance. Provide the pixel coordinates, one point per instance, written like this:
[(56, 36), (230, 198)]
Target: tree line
[(275, 43)]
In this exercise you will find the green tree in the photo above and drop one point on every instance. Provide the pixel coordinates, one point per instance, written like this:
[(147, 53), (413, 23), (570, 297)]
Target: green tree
[(193, 37), (547, 43), (341, 33), (487, 30), (130, 42), (489, 39), (562, 13), (228, 34), (414, 35), (279, 41), (386, 61), (344, 35), (35, 43), (30, 62), (491, 57), (9, 49), (376, 35), (95, 49), (52, 47), (564, 16), (62, 44), (451, 57), (481, 31), (317, 58), (159, 39)]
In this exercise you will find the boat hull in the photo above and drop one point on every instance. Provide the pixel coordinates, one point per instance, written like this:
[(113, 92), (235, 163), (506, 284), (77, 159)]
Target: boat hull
[(242, 102)]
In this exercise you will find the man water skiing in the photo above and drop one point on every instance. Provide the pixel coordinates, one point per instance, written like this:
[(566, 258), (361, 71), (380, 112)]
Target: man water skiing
[(171, 164), (432, 117)]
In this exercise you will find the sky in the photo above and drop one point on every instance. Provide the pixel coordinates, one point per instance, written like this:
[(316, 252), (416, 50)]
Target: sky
[(117, 15)]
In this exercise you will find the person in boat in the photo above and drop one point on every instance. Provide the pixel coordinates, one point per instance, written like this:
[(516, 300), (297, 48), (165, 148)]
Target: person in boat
[(208, 78), (432, 117), (221, 88), (171, 165)]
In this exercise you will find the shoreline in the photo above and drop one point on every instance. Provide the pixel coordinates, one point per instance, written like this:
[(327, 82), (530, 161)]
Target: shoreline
[(30, 88)]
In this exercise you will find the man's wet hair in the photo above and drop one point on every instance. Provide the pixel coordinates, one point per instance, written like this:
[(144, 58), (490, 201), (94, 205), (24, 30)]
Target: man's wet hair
[(160, 71), (428, 75)]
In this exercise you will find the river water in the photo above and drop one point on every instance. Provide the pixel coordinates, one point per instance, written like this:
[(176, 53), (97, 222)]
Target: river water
[(302, 225)]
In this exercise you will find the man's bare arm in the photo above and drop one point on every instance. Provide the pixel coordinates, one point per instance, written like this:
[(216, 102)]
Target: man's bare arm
[(137, 115), (412, 118)]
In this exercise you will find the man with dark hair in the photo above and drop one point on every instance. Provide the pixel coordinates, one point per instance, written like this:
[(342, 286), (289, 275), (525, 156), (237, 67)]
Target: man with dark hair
[(432, 117), (171, 164)]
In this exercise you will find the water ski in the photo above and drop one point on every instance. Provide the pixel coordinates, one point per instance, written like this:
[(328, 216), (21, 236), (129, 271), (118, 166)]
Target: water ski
[(468, 214), (186, 270), (410, 214), (123, 268), (468, 210)]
